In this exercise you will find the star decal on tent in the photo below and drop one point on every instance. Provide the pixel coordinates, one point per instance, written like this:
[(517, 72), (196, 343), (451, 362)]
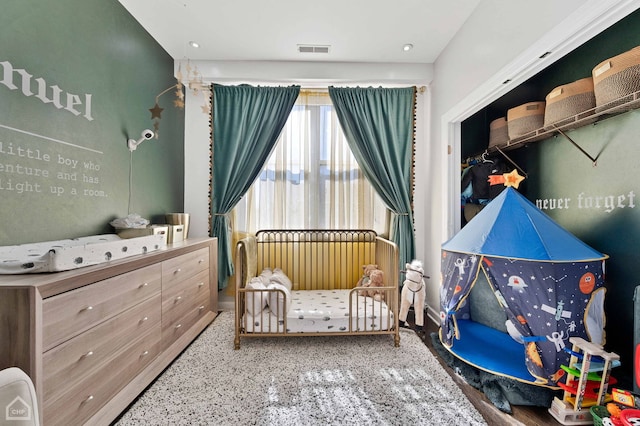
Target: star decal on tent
[(512, 179)]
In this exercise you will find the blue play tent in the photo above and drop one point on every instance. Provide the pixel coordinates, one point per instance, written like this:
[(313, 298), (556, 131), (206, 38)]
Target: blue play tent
[(548, 282)]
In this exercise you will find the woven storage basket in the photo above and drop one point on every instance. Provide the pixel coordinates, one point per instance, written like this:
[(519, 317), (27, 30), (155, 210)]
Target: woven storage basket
[(498, 133), (525, 118), (615, 80), (570, 102)]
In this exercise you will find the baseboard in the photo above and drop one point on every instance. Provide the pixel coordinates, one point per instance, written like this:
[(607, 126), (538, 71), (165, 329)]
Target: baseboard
[(433, 315)]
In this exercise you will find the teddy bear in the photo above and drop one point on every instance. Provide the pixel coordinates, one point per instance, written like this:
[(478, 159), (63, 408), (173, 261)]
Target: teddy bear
[(364, 279), (376, 279), (371, 277), (413, 293)]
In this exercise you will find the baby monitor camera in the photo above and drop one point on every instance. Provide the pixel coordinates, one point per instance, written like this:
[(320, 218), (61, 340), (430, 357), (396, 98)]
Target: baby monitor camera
[(145, 136)]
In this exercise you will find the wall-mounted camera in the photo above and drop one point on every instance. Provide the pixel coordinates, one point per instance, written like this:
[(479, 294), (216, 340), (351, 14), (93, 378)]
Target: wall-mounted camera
[(145, 136)]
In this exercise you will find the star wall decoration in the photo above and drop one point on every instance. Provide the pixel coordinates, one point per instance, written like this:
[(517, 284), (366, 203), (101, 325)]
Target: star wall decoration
[(195, 84), (156, 111)]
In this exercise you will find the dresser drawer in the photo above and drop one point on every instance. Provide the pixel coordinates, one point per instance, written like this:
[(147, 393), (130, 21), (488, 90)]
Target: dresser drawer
[(81, 401), (69, 314), (178, 320), (81, 356), (176, 295), (184, 266)]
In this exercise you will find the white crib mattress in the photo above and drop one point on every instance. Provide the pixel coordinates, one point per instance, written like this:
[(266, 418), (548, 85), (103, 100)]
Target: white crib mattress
[(62, 255), (323, 311)]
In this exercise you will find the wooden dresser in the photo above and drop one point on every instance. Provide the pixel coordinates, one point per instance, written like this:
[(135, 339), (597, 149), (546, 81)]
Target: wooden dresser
[(93, 338)]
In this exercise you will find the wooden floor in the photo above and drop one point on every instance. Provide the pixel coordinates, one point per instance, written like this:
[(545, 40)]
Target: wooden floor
[(522, 415)]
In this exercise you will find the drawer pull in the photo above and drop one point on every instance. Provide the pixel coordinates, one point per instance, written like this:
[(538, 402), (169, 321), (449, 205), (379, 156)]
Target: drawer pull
[(143, 285), (144, 319), (145, 353), (178, 326), (88, 308), (89, 398), (179, 298), (177, 270), (200, 261), (200, 284), (88, 354), (201, 308)]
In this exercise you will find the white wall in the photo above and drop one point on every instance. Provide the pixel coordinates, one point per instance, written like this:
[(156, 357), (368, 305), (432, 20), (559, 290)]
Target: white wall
[(502, 40), (196, 157)]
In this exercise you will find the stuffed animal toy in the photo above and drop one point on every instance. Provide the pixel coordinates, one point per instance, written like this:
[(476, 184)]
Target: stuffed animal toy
[(413, 293), (364, 279), (376, 279), (371, 277)]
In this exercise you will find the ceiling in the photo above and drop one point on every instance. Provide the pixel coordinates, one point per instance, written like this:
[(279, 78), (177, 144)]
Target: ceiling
[(371, 31)]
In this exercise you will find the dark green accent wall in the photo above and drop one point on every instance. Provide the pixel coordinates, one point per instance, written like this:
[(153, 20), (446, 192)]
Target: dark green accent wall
[(85, 74), (603, 200)]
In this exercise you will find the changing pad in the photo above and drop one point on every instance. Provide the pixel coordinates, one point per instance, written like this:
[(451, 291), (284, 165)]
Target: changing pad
[(63, 255)]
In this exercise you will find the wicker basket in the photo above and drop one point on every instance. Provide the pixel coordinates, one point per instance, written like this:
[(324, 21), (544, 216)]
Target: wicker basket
[(498, 133), (616, 80), (567, 104), (525, 118)]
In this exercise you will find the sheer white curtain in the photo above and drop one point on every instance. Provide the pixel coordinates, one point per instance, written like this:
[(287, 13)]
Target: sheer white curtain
[(311, 180)]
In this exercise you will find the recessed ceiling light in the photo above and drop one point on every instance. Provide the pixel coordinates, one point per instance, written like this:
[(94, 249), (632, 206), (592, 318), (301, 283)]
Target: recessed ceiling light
[(407, 47), (194, 44)]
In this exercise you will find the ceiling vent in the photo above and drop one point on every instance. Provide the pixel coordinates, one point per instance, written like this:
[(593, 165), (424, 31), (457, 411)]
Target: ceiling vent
[(310, 48)]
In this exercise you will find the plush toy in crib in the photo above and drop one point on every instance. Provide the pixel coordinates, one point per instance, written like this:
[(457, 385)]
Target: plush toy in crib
[(413, 293), (364, 279), (371, 277)]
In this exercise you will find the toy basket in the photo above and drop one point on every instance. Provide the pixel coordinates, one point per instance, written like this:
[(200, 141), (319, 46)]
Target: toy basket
[(525, 118), (600, 412), (569, 103), (498, 134), (615, 80)]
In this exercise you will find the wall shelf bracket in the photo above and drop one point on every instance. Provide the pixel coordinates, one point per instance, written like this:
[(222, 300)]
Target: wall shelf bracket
[(594, 160), (511, 161)]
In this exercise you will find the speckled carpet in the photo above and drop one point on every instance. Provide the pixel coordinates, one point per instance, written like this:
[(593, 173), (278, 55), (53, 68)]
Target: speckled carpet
[(342, 380)]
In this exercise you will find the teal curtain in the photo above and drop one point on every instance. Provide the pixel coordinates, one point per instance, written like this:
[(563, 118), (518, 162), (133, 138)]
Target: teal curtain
[(378, 124), (247, 121)]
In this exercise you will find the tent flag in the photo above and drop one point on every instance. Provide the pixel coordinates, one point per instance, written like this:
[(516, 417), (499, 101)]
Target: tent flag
[(512, 226)]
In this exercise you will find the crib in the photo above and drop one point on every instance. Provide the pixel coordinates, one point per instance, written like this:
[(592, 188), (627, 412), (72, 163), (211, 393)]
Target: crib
[(324, 267)]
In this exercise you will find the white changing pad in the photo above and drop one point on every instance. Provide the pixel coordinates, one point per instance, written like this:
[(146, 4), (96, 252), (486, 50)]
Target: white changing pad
[(316, 311), (62, 255)]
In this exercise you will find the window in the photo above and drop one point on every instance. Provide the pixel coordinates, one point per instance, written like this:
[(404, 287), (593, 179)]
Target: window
[(311, 180)]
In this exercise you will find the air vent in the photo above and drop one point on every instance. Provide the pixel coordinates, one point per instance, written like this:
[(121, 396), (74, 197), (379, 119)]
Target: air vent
[(310, 48)]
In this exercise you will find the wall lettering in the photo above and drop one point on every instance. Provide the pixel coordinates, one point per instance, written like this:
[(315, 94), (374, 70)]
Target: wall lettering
[(56, 96), (606, 203), (45, 171)]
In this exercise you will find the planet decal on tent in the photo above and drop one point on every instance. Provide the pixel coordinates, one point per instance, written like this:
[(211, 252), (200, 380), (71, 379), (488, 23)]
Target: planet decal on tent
[(517, 283), (587, 282)]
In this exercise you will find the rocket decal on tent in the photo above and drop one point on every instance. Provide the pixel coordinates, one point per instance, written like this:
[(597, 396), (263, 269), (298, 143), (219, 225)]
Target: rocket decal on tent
[(517, 283)]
